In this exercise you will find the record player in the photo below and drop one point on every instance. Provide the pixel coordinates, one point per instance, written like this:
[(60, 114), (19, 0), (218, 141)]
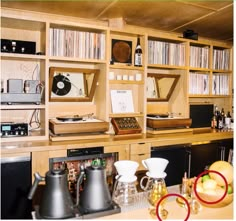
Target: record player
[(77, 124)]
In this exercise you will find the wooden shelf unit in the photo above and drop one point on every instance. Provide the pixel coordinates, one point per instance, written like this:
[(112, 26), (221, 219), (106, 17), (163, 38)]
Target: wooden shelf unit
[(29, 26)]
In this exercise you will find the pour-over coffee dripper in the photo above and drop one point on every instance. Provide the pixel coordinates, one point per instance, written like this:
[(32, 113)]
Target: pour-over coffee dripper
[(155, 166), (125, 191), (154, 184)]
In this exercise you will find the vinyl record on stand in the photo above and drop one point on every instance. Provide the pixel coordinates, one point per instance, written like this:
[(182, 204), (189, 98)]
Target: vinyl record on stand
[(61, 85)]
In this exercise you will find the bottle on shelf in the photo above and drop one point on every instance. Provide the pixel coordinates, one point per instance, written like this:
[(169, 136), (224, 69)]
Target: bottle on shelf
[(219, 120), (138, 54), (213, 121), (228, 121), (214, 118), (223, 116)]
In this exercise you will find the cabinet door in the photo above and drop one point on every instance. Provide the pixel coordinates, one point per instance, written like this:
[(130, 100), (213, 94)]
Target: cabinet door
[(202, 156), (178, 157), (122, 150)]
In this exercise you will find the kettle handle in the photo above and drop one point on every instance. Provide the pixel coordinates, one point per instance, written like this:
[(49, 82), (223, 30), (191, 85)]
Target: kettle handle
[(37, 179), (79, 181)]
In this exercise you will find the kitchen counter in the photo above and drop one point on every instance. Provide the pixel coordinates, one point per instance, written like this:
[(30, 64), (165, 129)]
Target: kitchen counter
[(155, 140), (174, 211)]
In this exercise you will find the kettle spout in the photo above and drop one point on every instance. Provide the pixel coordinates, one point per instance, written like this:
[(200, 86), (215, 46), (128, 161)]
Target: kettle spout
[(79, 181), (37, 179)]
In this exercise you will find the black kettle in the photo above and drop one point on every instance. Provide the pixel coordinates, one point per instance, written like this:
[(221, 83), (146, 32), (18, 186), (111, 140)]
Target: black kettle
[(95, 195), (56, 202)]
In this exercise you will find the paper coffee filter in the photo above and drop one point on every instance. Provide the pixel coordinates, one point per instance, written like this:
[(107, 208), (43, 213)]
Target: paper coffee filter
[(156, 166), (126, 167)]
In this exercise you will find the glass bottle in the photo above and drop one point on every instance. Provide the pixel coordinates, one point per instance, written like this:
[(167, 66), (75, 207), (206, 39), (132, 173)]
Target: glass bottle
[(228, 121), (138, 54), (219, 121)]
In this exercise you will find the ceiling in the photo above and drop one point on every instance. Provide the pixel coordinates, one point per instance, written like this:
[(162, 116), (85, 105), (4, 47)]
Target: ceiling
[(210, 19)]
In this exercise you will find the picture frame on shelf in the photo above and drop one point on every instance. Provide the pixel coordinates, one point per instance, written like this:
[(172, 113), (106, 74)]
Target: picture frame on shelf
[(72, 84), (121, 52)]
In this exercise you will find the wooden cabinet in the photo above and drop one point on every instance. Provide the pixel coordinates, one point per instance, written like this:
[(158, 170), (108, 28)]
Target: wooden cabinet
[(139, 152), (210, 74), (73, 43), (25, 67), (124, 76), (168, 56), (122, 150)]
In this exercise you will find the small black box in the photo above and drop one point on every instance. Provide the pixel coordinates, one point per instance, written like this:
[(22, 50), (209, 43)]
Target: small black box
[(190, 34), (15, 46)]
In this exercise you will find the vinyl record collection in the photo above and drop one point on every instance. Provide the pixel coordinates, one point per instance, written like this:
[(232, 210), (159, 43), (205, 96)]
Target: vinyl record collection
[(166, 53), (199, 57), (220, 84), (78, 44), (198, 83), (221, 59)]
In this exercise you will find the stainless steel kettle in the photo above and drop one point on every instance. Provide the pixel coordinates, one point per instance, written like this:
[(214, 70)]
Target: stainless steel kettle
[(95, 195), (56, 202)]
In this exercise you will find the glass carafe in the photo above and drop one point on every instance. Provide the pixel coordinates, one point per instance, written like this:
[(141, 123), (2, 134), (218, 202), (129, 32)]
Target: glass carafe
[(125, 191), (156, 189)]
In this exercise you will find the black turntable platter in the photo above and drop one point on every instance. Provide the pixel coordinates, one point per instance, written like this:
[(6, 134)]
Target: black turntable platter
[(61, 85), (70, 118)]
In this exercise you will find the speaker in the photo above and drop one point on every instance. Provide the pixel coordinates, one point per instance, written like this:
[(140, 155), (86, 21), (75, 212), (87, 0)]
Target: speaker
[(32, 86), (15, 86)]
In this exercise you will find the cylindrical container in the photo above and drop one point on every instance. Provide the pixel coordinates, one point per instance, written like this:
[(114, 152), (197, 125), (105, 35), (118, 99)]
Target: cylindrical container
[(138, 77), (131, 77), (125, 77), (118, 77), (111, 75)]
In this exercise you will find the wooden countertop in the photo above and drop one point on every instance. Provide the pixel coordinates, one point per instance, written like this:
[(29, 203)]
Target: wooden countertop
[(155, 140), (175, 212)]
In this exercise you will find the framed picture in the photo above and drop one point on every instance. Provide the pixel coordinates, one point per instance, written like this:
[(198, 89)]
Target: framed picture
[(72, 84), (121, 51)]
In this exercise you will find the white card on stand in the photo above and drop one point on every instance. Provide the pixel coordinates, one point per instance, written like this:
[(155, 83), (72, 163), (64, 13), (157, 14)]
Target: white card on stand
[(122, 101)]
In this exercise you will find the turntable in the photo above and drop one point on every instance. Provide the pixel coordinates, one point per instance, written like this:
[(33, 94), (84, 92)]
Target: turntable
[(72, 125)]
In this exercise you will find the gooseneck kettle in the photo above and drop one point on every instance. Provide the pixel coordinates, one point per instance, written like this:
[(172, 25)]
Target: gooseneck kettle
[(56, 202), (95, 195)]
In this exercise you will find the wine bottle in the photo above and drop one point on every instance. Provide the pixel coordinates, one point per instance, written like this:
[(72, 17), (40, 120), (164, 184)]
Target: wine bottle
[(228, 121), (138, 54), (219, 121)]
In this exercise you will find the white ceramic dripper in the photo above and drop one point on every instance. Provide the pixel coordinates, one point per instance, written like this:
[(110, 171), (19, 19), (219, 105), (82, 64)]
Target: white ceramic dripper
[(126, 168), (156, 167)]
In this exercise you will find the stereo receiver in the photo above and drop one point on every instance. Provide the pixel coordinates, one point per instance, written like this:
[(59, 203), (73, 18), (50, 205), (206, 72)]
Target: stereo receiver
[(14, 129)]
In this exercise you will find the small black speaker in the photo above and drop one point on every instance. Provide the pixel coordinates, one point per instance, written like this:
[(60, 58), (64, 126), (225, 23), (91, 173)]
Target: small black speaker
[(190, 34)]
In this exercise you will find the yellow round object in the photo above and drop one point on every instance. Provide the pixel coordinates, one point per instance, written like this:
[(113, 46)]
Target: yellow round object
[(199, 188), (210, 192), (209, 184), (224, 168)]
